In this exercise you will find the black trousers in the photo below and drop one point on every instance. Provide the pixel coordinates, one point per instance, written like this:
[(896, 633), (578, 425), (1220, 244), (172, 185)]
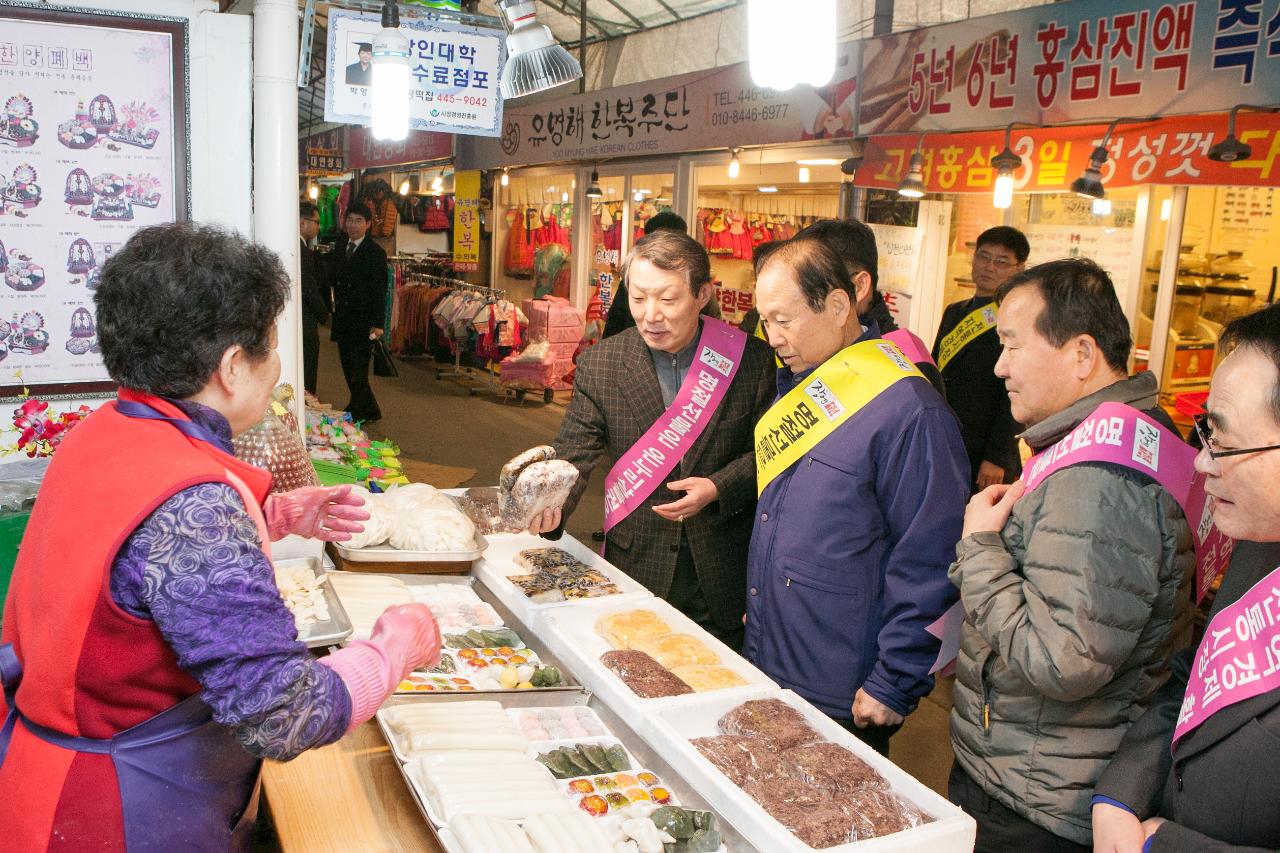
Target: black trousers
[(687, 597), (310, 354), (876, 737), (354, 354), (1000, 829)]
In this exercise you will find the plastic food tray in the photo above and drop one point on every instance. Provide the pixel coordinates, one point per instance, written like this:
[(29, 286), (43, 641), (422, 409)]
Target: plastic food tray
[(571, 633), (383, 554), (645, 756), (338, 627), (499, 563), (673, 727), (531, 642)]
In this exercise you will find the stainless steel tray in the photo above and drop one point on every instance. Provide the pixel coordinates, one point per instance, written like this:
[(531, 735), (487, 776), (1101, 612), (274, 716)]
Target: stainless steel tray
[(338, 627), (683, 794), (531, 641)]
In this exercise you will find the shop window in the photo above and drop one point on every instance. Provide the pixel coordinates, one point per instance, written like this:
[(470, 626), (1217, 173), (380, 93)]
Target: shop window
[(734, 216), (1229, 254), (534, 235)]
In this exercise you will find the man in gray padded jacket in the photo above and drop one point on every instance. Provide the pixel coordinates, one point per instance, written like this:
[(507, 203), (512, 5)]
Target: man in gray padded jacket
[(1075, 592)]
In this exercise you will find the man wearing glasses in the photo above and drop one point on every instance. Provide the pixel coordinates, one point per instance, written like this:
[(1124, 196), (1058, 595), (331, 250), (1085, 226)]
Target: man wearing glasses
[(966, 350), (1197, 770), (1076, 579), (315, 293)]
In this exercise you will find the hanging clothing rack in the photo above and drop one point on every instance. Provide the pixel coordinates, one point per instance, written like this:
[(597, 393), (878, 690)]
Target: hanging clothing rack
[(464, 376)]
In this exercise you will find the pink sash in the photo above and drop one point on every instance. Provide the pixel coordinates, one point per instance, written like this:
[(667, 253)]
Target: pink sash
[(912, 347), (1239, 657), (646, 464), (1122, 435)]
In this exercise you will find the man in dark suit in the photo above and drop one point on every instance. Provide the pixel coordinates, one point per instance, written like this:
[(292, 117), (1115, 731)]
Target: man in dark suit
[(360, 296), (315, 293), (1216, 787), (688, 541), (361, 73)]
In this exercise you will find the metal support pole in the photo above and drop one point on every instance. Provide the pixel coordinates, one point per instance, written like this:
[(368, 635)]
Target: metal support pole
[(1168, 283), (582, 45), (275, 161)]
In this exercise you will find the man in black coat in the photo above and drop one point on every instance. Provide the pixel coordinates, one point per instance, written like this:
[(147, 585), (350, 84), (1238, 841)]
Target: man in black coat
[(360, 297), (1217, 788), (315, 293), (967, 356)]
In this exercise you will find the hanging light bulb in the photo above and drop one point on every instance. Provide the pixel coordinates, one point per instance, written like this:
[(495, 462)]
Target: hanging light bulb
[(390, 77), (1102, 207), (506, 178), (1005, 162), (781, 42), (593, 188), (735, 165), (1089, 184), (804, 174), (912, 185), (564, 198), (637, 197), (404, 187), (313, 192), (1166, 209), (437, 183), (535, 60)]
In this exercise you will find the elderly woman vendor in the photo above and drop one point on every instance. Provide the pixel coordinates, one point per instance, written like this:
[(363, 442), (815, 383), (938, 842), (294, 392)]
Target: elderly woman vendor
[(148, 662)]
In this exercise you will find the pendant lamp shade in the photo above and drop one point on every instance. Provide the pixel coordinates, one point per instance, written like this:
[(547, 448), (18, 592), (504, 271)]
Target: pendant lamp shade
[(535, 60)]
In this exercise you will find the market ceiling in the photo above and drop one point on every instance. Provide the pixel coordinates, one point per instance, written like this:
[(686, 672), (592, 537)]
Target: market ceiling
[(606, 19)]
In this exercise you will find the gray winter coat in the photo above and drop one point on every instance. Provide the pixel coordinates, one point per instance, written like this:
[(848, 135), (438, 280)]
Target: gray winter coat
[(1074, 610)]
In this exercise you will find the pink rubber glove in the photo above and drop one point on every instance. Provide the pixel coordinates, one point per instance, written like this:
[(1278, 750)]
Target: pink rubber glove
[(404, 637), (317, 512)]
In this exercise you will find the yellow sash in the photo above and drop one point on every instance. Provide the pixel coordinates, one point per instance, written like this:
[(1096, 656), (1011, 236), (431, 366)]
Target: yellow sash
[(833, 393), (977, 322)]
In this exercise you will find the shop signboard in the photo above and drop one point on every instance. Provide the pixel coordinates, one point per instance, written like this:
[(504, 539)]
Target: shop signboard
[(1064, 62), (321, 154), (466, 221), (453, 72), (420, 146), (93, 147), (1172, 151), (689, 112)]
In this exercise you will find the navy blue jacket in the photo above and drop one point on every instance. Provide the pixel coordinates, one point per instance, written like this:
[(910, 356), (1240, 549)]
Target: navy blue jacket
[(850, 549)]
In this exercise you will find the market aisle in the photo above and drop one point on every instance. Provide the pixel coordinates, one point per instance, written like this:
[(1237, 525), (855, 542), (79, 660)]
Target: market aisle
[(438, 421)]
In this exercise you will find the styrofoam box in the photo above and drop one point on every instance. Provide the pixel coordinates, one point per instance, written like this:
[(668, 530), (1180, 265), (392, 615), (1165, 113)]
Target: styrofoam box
[(670, 729), (571, 635), (498, 564)]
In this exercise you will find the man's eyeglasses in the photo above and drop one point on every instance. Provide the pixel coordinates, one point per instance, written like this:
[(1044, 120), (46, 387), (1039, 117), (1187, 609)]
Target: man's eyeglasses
[(1205, 430), (993, 261)]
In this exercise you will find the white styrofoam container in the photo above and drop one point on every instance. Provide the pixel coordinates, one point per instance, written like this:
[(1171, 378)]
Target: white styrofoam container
[(672, 728), (498, 564), (571, 634), (387, 554)]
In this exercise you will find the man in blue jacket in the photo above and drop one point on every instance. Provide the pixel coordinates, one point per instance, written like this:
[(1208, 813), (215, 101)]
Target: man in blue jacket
[(864, 481)]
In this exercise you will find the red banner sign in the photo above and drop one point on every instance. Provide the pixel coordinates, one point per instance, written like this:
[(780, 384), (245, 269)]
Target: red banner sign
[(1168, 151), (365, 152)]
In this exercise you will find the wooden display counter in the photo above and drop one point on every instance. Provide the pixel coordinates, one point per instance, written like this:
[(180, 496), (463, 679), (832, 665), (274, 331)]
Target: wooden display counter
[(348, 797)]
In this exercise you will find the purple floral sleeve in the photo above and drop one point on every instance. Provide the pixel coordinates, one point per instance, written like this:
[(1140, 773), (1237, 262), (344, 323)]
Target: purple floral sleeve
[(196, 568)]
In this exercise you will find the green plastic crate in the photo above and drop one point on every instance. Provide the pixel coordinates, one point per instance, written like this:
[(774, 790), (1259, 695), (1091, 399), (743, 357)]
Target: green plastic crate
[(335, 473), (12, 526)]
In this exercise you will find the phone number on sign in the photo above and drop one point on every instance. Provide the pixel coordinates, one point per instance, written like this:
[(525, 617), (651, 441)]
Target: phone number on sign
[(469, 100), (774, 112)]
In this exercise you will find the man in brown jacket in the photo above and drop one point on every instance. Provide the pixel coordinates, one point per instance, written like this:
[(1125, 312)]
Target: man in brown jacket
[(1072, 590), (688, 541)]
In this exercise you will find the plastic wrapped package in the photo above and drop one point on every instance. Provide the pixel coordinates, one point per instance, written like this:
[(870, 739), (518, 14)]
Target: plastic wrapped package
[(540, 486), (480, 504), (272, 445), (781, 724), (744, 760), (706, 678), (832, 767), (881, 812), (673, 650), (624, 629), (647, 678)]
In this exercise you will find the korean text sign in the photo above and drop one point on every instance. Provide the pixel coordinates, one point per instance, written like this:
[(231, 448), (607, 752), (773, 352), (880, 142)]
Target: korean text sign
[(466, 221), (453, 73)]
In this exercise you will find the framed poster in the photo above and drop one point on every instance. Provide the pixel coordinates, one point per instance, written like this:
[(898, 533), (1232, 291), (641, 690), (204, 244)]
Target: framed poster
[(93, 147)]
